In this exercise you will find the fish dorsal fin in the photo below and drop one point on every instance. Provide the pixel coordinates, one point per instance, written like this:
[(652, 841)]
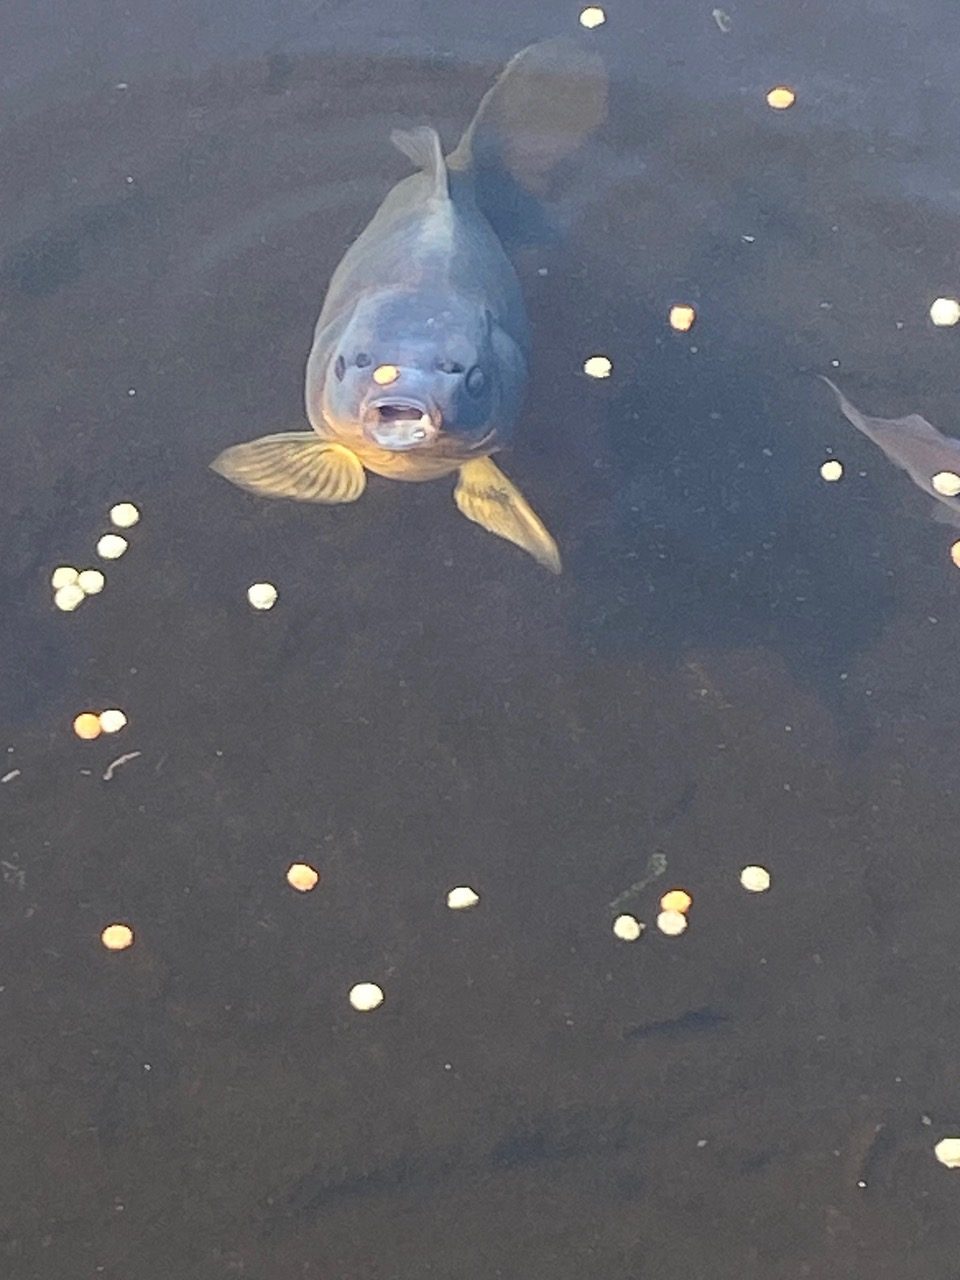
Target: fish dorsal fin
[(423, 146), (485, 496)]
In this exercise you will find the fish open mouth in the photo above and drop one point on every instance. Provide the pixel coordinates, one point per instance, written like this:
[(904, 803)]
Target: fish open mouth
[(399, 424)]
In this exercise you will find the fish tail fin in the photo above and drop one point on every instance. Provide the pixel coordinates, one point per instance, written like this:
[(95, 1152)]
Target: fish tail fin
[(423, 146), (547, 99)]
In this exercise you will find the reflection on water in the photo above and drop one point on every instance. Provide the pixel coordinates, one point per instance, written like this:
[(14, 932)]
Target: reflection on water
[(743, 669)]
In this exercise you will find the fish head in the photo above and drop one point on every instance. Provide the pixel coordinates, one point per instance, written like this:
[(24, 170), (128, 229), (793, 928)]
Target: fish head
[(414, 374)]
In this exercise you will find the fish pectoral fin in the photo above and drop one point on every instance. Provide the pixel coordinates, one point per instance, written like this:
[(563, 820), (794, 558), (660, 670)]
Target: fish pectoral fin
[(294, 464), (486, 496)]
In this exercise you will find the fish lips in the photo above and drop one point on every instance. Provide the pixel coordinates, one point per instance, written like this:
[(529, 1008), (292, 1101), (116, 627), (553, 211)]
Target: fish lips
[(400, 423)]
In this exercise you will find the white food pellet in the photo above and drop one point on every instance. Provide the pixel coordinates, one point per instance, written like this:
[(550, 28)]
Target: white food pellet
[(598, 367), (262, 595), (67, 598), (124, 515), (672, 923), (755, 879), (831, 470), (366, 996), (945, 311), (947, 1152), (112, 721), (111, 546), (946, 483), (627, 928), (91, 582), (461, 897), (592, 16), (63, 576)]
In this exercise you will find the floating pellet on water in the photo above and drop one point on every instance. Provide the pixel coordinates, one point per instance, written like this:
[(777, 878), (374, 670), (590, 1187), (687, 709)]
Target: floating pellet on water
[(592, 16), (111, 546), (682, 317), (91, 582), (384, 374), (366, 996), (598, 367), (780, 97), (64, 576), (112, 721), (755, 879), (302, 877), (672, 923), (945, 312), (676, 900), (955, 554), (947, 1152), (117, 937), (124, 515), (831, 469), (262, 595), (627, 928), (67, 598), (87, 726), (461, 897), (947, 483)]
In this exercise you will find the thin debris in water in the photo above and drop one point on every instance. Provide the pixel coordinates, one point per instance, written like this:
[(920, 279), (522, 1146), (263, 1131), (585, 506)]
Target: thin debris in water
[(656, 866), (116, 764), (9, 777)]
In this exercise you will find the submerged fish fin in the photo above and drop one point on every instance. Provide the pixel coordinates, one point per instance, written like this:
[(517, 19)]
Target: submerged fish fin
[(294, 464), (545, 102), (486, 496), (913, 425), (423, 146)]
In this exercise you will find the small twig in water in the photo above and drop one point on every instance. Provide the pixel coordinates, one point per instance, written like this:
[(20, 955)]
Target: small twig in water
[(115, 764)]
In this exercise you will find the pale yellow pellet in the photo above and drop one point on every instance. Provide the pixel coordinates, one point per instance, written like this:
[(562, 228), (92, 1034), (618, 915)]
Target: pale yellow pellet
[(124, 515), (627, 928), (462, 897), (682, 317), (946, 483), (945, 312), (67, 598), (598, 367), (117, 937), (955, 554), (112, 720), (302, 877), (91, 582), (781, 97), (111, 546), (64, 576), (366, 996), (262, 595), (592, 16), (755, 879), (672, 923), (947, 1152), (831, 469), (676, 900)]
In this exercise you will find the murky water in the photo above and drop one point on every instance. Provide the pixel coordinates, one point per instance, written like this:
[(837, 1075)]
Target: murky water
[(741, 664)]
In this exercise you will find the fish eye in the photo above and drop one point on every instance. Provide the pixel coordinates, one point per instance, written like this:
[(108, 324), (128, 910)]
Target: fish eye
[(362, 360), (449, 366), (339, 368), (475, 380)]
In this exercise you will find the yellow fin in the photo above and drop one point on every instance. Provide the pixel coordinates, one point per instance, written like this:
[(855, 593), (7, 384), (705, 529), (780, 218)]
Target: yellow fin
[(486, 496), (294, 464)]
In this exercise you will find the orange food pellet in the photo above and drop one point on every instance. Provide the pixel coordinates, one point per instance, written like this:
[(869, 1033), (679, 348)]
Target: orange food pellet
[(676, 900), (117, 937), (87, 725), (302, 877)]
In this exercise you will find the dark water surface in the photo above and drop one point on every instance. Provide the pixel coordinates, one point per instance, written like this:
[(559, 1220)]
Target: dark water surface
[(740, 664)]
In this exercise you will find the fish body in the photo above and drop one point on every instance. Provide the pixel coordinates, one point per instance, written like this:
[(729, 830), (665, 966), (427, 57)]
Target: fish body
[(420, 353), (917, 447)]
